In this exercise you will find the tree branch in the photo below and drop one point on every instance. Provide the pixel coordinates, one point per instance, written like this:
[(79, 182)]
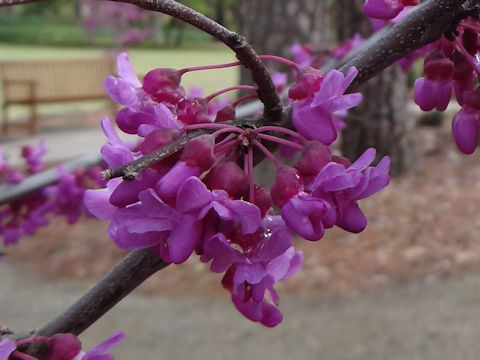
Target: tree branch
[(9, 193)]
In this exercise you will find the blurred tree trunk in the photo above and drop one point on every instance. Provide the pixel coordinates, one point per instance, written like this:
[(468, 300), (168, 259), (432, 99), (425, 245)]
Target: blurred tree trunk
[(272, 27), (382, 120), (220, 11)]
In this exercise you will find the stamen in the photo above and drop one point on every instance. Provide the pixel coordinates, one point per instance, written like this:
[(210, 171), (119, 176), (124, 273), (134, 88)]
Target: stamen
[(281, 141), (282, 130), (231, 88), (244, 98), (282, 60), (468, 57), (208, 67)]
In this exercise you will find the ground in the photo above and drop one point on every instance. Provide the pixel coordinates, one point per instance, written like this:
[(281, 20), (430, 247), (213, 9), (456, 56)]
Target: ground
[(422, 226), (405, 288)]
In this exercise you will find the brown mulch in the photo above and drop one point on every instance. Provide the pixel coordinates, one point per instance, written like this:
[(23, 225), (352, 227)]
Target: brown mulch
[(423, 226)]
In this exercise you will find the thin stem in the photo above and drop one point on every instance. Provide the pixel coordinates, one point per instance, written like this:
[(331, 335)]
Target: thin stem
[(228, 130), (244, 98), (473, 27), (267, 152), (225, 146), (467, 56), (282, 130), (208, 67), (282, 60), (251, 183), (231, 88), (281, 141)]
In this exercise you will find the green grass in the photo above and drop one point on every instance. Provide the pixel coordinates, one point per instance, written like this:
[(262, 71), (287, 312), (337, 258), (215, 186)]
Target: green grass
[(143, 60), (40, 30)]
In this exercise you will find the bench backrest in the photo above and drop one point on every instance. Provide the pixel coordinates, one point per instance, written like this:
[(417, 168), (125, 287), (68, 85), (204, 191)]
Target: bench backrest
[(55, 80)]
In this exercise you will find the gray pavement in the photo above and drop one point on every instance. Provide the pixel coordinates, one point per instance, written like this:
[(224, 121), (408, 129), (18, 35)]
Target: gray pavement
[(420, 321)]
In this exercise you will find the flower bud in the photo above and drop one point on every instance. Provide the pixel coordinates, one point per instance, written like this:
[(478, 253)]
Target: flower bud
[(287, 185), (228, 176)]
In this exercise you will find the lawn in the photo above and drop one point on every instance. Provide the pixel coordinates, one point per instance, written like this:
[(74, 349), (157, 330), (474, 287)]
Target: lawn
[(143, 60)]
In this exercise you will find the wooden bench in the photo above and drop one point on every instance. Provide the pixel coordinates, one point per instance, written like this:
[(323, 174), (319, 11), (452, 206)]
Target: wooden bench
[(52, 81)]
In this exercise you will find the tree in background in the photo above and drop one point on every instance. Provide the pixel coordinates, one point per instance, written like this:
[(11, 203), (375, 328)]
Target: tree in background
[(272, 27), (381, 120)]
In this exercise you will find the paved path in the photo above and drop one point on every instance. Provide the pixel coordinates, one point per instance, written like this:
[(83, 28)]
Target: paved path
[(438, 321)]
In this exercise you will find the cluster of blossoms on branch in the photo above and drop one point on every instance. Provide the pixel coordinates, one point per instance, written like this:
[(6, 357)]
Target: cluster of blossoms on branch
[(24, 216), (130, 25), (60, 347), (203, 199), (452, 64)]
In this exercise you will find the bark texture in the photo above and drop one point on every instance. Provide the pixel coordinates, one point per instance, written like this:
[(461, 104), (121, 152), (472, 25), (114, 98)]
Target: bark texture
[(272, 27), (382, 120)]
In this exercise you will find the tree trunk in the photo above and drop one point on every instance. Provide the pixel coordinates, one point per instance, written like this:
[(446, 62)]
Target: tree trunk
[(272, 27), (382, 120)]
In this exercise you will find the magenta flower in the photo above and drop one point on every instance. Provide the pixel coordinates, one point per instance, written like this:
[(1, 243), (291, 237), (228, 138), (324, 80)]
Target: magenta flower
[(435, 90), (466, 123), (386, 9), (204, 199), (126, 89), (7, 347), (33, 156), (252, 271), (99, 351), (194, 198), (312, 117)]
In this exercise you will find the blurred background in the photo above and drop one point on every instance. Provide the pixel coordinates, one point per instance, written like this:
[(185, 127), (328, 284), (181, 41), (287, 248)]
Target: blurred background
[(405, 288)]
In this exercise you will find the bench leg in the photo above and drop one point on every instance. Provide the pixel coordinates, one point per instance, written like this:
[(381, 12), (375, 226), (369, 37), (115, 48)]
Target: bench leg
[(5, 119), (32, 123)]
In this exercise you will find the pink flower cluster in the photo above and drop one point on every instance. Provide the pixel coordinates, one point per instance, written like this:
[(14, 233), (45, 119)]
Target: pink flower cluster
[(25, 215), (61, 347), (204, 199), (129, 24), (451, 65)]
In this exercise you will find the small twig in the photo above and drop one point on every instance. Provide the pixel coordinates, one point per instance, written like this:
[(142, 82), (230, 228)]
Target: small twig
[(131, 170)]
